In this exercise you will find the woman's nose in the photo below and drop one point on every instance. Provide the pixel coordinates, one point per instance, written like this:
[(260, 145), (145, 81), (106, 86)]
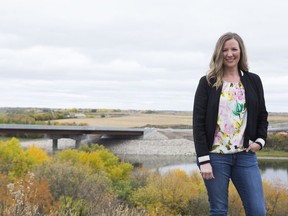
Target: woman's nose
[(229, 53)]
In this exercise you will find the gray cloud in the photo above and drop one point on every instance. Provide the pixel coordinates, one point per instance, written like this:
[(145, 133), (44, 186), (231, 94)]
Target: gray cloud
[(132, 54)]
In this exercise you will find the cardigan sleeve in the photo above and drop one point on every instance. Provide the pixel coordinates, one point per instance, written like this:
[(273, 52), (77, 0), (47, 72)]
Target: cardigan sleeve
[(199, 121), (262, 123)]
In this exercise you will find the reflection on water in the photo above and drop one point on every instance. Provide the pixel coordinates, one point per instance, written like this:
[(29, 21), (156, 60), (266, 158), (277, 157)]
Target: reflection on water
[(188, 168), (272, 170), (275, 176), (158, 161)]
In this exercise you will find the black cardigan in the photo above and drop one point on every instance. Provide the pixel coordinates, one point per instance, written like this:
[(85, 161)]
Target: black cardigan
[(205, 112)]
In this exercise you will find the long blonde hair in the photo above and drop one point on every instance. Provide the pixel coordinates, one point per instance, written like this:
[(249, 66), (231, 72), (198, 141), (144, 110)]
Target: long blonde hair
[(216, 64)]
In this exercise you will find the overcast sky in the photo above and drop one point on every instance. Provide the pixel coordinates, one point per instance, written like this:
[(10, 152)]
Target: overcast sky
[(132, 54)]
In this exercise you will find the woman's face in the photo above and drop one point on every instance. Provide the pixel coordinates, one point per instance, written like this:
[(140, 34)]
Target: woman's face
[(231, 54)]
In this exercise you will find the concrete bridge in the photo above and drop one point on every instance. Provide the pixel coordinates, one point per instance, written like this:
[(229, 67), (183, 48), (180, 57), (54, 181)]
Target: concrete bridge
[(73, 132)]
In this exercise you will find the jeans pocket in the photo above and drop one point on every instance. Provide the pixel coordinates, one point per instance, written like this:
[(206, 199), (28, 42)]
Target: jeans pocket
[(251, 152)]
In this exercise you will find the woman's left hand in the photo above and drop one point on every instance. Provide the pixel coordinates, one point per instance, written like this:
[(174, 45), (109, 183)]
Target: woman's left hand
[(254, 147)]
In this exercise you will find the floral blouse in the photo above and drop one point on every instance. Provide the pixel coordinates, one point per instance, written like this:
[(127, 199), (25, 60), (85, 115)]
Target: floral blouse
[(232, 119)]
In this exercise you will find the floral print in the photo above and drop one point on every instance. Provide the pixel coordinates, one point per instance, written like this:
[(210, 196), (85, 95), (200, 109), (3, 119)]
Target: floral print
[(232, 119)]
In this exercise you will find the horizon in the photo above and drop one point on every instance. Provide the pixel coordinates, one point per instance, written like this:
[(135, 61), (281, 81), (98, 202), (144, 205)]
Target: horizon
[(111, 109)]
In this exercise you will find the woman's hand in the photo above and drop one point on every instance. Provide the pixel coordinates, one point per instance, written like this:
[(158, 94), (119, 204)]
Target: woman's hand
[(254, 147), (206, 171)]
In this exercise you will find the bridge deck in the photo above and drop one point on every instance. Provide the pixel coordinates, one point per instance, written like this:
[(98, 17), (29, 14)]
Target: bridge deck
[(68, 130)]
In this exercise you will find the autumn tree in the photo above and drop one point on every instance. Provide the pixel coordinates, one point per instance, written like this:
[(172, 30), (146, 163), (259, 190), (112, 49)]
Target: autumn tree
[(15, 161), (77, 187), (170, 194), (99, 159)]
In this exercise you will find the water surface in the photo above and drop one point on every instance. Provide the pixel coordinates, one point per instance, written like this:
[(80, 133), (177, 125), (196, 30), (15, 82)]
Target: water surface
[(272, 169)]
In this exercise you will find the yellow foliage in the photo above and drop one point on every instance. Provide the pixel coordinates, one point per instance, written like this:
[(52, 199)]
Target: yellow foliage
[(9, 148), (38, 155), (70, 155), (13, 160), (92, 160), (98, 160), (169, 194), (172, 187), (175, 193), (120, 172), (276, 195)]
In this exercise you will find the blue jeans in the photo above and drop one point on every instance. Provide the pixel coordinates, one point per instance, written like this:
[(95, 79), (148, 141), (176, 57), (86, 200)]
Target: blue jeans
[(242, 168)]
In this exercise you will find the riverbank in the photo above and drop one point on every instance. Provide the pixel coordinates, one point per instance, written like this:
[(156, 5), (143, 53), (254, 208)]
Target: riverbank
[(272, 154)]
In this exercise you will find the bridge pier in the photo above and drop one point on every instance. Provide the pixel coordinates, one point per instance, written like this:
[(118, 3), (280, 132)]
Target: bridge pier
[(78, 142), (55, 145), (55, 138)]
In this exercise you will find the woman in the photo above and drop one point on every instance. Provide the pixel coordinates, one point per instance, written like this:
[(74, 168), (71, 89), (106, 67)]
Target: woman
[(229, 126)]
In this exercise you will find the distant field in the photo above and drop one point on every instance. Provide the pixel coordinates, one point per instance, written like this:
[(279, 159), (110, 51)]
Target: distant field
[(278, 118), (135, 120), (156, 119)]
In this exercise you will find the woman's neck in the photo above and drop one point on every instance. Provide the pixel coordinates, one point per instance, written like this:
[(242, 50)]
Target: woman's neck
[(231, 76)]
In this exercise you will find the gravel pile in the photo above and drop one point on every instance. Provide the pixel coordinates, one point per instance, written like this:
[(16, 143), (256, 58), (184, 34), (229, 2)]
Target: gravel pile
[(154, 142)]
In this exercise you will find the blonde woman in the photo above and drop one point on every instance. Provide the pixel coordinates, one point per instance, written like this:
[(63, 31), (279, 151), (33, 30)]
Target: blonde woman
[(229, 126)]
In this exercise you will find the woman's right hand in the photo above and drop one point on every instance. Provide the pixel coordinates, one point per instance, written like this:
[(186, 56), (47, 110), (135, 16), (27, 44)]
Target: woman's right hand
[(206, 171)]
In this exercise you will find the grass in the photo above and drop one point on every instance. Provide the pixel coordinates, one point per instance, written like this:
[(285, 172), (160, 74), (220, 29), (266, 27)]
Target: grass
[(272, 153)]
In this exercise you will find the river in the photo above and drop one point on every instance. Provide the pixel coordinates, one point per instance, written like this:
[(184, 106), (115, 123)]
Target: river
[(274, 170)]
